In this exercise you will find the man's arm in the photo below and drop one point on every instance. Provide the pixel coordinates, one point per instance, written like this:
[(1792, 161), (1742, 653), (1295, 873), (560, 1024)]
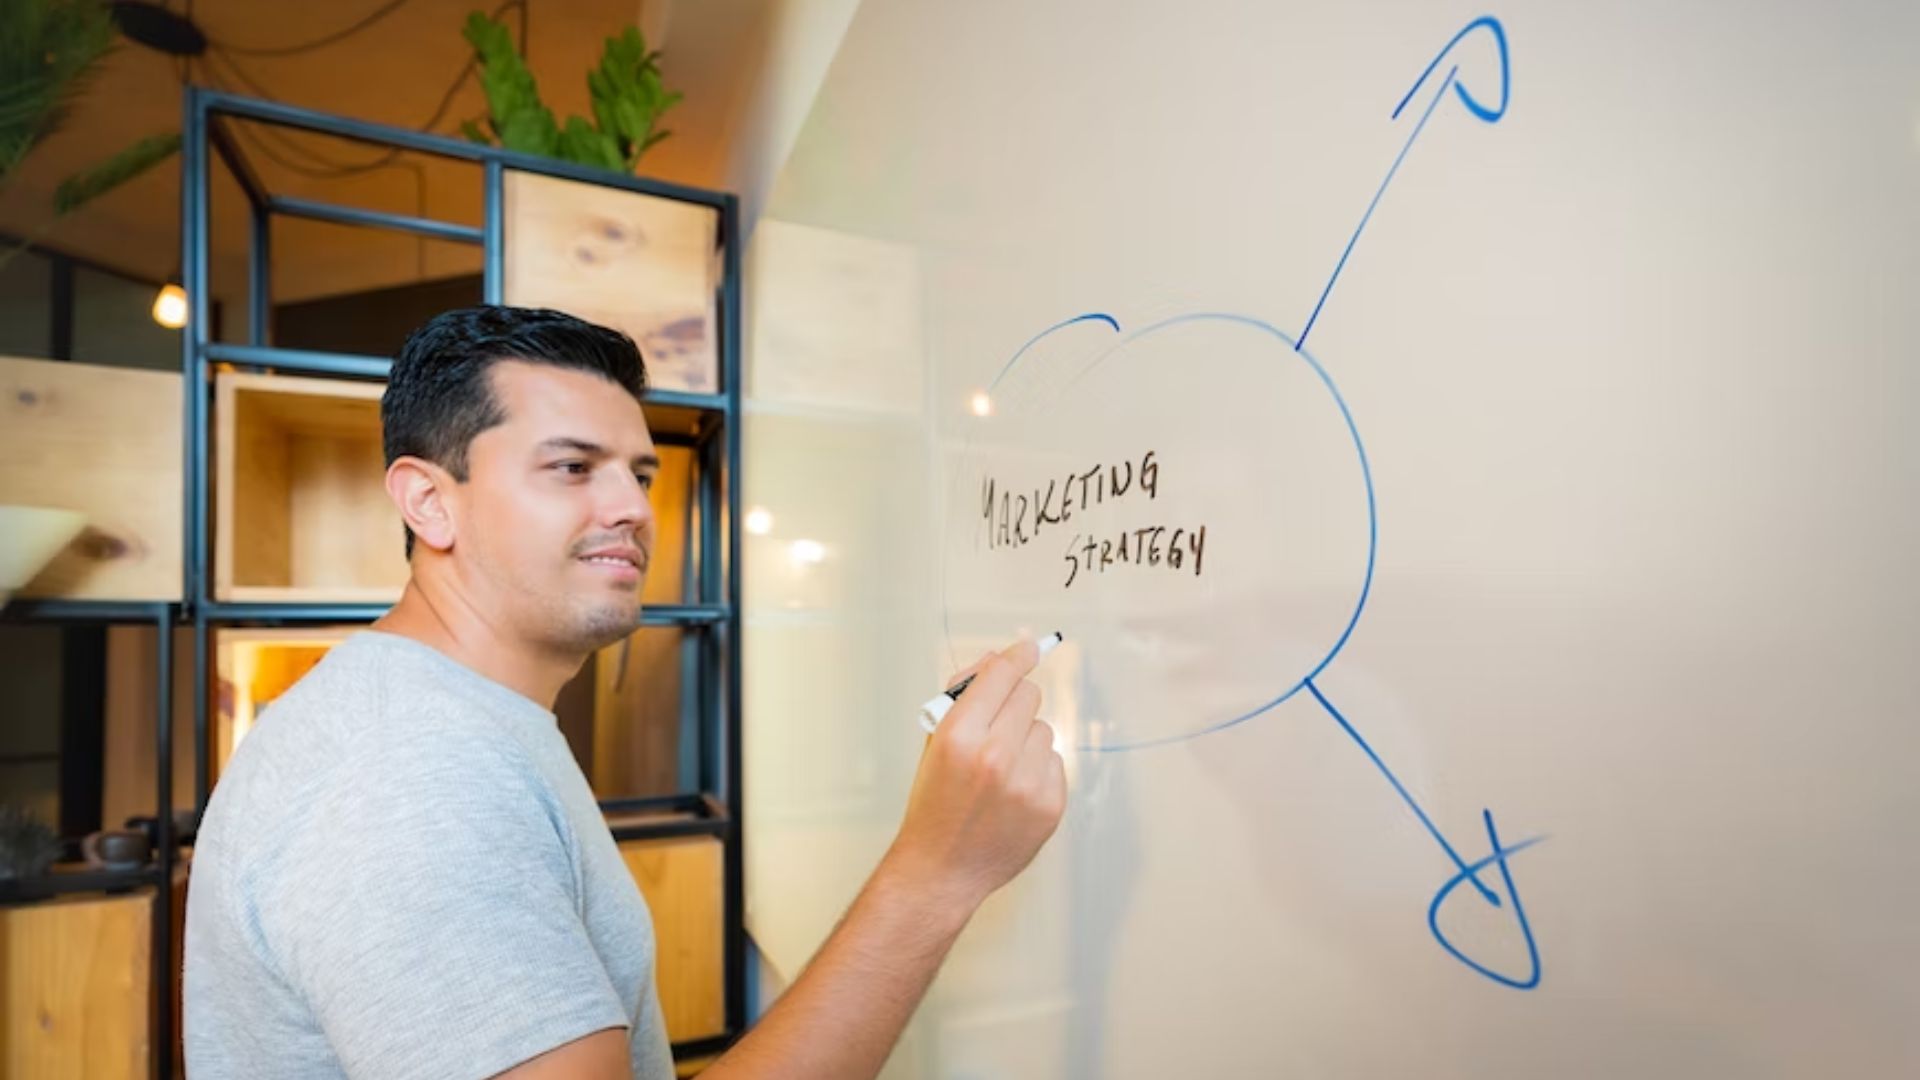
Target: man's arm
[(990, 791)]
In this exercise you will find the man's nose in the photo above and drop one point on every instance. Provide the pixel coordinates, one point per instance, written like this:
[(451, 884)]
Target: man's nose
[(626, 503)]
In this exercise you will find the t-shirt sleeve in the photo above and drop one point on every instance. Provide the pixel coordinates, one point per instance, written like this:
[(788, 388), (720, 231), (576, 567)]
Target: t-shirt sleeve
[(431, 916)]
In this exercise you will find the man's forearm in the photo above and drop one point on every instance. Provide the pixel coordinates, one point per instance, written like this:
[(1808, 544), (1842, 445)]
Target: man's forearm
[(990, 790), (841, 1018)]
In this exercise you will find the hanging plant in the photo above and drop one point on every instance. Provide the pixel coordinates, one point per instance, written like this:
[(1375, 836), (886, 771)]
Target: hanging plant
[(49, 52)]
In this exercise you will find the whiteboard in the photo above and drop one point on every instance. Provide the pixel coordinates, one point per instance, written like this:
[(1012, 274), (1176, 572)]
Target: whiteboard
[(1541, 697)]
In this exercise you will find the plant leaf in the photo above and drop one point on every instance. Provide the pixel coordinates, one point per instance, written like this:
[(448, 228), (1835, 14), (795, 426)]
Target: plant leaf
[(78, 190), (628, 96), (49, 49), (522, 122), (584, 144)]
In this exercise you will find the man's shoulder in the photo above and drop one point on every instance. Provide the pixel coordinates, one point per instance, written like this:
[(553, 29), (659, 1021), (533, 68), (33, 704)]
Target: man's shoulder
[(359, 728), (370, 697)]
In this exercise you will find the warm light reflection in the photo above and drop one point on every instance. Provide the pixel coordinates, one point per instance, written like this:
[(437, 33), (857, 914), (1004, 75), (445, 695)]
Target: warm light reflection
[(759, 521), (170, 306), (806, 552)]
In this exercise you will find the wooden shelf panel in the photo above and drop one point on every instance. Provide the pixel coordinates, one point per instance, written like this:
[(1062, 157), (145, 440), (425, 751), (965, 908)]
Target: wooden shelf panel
[(686, 421), (68, 879), (640, 263), (682, 880), (104, 441), (131, 715), (77, 985)]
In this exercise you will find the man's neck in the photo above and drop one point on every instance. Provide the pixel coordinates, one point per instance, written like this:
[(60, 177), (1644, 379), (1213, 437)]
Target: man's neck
[(444, 622)]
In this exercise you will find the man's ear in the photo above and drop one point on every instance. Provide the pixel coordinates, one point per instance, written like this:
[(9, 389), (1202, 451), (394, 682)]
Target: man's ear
[(421, 489)]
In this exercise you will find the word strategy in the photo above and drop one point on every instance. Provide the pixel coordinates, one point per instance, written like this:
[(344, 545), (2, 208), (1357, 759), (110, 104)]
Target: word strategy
[(1015, 519)]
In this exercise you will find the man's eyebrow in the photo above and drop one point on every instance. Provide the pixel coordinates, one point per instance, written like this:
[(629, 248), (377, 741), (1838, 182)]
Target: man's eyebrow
[(593, 449), (564, 442)]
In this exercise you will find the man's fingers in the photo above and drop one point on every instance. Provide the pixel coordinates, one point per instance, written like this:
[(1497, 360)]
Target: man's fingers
[(1039, 747), (1016, 714), (1042, 771), (966, 673), (1039, 736), (1023, 654), (992, 682)]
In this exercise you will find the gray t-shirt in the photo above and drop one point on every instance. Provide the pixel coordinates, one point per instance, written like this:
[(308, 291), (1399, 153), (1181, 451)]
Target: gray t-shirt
[(403, 873)]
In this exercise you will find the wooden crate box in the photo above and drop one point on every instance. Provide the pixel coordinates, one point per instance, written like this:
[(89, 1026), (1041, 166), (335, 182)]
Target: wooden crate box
[(301, 509)]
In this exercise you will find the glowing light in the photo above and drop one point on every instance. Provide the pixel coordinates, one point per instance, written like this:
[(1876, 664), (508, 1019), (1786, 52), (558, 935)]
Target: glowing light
[(806, 552), (759, 522), (170, 306), (982, 404)]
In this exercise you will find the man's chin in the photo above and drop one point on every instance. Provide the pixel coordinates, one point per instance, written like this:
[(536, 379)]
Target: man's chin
[(605, 625)]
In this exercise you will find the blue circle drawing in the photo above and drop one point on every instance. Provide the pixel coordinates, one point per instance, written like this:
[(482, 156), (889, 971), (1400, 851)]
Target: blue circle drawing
[(1359, 449)]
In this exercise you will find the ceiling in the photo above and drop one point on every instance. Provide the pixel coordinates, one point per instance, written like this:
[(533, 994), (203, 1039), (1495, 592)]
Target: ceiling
[(395, 71)]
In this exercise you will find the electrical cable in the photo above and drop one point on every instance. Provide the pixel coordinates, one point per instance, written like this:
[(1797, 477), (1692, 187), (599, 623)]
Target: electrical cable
[(317, 43)]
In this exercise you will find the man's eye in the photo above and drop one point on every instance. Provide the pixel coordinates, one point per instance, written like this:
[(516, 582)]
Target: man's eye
[(646, 480), (572, 468)]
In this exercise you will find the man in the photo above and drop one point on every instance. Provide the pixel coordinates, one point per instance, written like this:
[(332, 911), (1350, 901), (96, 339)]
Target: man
[(402, 872)]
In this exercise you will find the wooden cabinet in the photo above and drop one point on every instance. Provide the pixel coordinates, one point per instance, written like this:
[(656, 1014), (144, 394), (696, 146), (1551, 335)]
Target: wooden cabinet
[(682, 881), (77, 985)]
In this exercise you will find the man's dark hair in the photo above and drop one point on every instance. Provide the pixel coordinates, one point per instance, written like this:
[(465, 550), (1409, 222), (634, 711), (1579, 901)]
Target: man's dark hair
[(439, 394)]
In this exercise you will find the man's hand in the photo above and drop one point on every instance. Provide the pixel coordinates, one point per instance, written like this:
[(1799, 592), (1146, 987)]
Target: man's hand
[(990, 790)]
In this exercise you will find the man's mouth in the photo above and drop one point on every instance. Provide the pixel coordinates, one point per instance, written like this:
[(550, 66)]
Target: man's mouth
[(617, 558)]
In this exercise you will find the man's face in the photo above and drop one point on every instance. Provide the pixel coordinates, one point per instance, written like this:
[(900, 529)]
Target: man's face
[(553, 524)]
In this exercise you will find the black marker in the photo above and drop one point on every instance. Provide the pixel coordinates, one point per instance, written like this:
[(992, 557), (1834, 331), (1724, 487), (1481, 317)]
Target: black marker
[(937, 705)]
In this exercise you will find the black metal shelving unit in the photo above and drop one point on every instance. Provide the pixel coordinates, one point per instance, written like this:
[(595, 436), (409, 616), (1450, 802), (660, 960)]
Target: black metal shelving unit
[(711, 699), (714, 808), (158, 873)]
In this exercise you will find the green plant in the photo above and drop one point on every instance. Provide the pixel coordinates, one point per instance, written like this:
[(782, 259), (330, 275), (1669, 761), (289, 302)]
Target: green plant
[(27, 845), (628, 101), (49, 52), (81, 188), (48, 49)]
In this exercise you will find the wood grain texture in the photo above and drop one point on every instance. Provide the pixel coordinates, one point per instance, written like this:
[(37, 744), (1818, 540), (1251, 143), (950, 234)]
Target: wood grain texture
[(636, 715), (636, 686), (300, 509), (669, 571), (106, 442), (74, 1000), (681, 880), (638, 263), (128, 774)]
